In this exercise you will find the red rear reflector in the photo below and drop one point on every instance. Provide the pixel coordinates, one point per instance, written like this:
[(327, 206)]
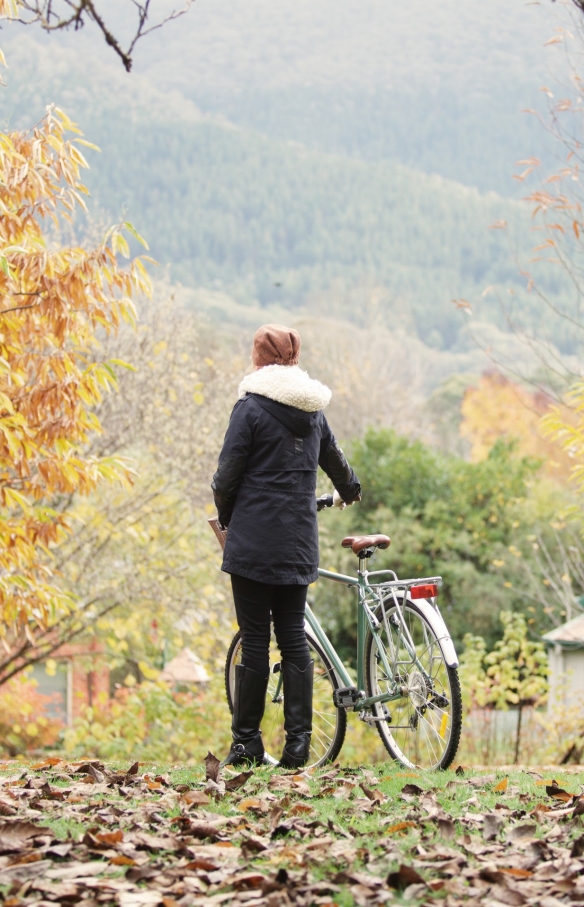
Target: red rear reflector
[(430, 590)]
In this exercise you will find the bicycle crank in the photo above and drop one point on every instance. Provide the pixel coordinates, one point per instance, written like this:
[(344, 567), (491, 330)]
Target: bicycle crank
[(372, 720)]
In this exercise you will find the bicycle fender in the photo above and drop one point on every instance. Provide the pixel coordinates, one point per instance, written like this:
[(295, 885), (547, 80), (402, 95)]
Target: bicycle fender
[(440, 629)]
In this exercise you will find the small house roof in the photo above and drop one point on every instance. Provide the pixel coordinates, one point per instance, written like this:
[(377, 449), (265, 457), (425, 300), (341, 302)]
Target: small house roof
[(186, 667), (570, 634)]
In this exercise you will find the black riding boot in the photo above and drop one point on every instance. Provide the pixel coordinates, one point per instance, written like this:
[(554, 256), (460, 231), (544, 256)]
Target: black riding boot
[(249, 701), (297, 714)]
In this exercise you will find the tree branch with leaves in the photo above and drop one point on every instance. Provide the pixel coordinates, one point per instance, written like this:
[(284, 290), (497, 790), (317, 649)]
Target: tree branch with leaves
[(51, 379)]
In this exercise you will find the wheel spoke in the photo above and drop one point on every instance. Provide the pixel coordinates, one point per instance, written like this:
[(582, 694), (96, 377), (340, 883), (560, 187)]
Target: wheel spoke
[(329, 723), (420, 730)]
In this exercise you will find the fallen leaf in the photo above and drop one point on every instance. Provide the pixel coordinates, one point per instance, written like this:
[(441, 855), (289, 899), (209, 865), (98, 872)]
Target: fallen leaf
[(520, 832), (492, 825), (212, 766), (249, 803), (248, 880), (47, 763), (17, 835), (121, 860), (203, 830), (446, 828), (517, 873), (412, 790), (406, 875), (558, 793), (195, 798), (144, 898), (238, 781), (399, 826), (577, 847), (110, 837), (374, 795), (207, 865)]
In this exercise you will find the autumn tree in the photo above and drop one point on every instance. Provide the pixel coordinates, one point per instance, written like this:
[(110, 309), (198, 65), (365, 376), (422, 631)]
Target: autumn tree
[(145, 552), (54, 302), (498, 408)]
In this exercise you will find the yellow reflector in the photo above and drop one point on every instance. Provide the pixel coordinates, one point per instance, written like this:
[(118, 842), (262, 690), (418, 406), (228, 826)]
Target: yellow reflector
[(443, 725)]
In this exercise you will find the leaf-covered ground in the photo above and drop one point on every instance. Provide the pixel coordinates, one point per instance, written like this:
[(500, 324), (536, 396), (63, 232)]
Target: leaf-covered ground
[(140, 836)]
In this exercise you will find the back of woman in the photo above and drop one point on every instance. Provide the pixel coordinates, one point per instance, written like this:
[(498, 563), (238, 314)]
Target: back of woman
[(264, 490)]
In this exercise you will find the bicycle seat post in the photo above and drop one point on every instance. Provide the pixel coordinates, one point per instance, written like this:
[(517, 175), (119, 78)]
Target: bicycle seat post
[(363, 566)]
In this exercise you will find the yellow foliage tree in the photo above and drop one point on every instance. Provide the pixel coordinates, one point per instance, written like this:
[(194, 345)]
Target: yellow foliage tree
[(53, 301), (499, 408)]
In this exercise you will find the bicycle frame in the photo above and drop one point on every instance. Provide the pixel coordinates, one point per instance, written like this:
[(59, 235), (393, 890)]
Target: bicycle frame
[(377, 593)]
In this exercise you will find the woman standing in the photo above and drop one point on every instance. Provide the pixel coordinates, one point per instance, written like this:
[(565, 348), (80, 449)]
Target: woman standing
[(264, 490)]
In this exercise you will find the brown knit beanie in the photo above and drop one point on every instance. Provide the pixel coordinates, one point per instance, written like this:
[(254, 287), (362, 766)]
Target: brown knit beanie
[(274, 344)]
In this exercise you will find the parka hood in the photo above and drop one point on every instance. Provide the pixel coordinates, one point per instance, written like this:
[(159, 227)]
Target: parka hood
[(289, 385), (295, 420)]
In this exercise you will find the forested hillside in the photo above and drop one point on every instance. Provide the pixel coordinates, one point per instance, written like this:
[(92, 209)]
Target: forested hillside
[(269, 220), (437, 86)]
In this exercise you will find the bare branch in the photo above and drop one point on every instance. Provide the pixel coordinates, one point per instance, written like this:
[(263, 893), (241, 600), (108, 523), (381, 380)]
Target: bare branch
[(61, 15)]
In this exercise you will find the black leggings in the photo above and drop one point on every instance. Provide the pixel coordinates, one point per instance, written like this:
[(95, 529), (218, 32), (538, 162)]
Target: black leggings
[(254, 603)]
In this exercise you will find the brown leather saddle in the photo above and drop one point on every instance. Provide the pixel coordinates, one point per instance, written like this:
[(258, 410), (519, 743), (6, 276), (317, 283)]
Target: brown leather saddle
[(361, 543)]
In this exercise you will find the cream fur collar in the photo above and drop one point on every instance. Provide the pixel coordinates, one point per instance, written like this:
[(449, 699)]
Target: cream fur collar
[(287, 384)]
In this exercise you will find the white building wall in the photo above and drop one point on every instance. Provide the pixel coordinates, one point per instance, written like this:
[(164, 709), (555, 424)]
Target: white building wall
[(566, 677)]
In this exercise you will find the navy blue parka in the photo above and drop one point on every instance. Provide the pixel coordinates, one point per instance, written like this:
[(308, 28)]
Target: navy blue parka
[(265, 486)]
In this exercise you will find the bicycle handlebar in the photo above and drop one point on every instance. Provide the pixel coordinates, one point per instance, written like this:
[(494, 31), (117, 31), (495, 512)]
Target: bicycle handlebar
[(325, 500)]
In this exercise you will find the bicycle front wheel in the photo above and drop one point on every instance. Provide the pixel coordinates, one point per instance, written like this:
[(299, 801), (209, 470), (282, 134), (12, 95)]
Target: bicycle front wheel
[(329, 724), (421, 729)]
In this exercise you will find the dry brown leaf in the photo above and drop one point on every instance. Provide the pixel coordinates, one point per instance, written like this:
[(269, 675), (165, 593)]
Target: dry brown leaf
[(195, 865), (405, 876), (249, 803), (299, 808), (195, 798), (110, 837), (248, 880), (412, 790), (520, 832), (121, 860), (16, 835), (447, 829), (212, 767), (374, 795), (399, 827), (517, 873), (47, 763), (558, 793)]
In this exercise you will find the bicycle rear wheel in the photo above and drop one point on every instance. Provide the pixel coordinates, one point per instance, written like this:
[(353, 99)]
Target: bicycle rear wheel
[(329, 724), (424, 726)]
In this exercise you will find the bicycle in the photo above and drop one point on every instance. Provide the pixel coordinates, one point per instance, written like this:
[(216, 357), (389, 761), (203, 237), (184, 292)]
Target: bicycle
[(407, 679)]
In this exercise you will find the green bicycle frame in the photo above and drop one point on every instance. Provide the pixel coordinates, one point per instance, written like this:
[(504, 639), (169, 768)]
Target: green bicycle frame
[(365, 620)]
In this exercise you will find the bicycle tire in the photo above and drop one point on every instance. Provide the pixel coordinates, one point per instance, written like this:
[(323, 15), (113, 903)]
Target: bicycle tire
[(325, 744), (420, 702)]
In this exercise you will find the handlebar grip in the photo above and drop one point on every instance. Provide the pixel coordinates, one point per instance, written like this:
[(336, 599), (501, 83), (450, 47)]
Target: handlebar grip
[(325, 500)]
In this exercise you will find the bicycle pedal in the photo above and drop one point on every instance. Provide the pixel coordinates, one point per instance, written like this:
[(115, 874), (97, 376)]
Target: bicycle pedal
[(372, 720), (346, 697)]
